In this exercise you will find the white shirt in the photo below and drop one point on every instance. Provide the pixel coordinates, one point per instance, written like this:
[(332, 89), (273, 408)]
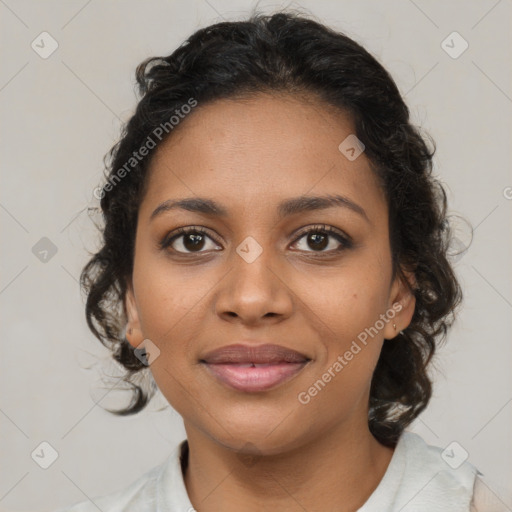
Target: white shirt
[(416, 480)]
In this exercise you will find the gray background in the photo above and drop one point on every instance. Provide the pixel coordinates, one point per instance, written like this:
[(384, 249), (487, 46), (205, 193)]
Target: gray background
[(61, 114)]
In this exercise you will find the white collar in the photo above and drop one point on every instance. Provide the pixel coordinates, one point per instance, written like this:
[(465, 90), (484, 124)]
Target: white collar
[(417, 478)]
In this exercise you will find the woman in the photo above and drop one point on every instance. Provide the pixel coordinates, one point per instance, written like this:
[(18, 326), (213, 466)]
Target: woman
[(274, 253)]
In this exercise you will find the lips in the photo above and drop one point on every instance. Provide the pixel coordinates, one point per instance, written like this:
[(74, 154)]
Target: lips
[(254, 368), (247, 354)]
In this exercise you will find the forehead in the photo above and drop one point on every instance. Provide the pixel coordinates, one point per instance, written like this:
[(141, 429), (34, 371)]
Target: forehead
[(265, 147)]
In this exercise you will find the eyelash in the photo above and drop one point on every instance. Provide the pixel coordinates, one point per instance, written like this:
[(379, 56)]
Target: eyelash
[(344, 240)]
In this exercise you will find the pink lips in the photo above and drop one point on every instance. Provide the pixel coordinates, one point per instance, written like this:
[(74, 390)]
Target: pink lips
[(254, 368)]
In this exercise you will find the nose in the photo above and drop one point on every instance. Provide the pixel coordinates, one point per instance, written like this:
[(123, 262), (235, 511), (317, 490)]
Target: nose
[(254, 292)]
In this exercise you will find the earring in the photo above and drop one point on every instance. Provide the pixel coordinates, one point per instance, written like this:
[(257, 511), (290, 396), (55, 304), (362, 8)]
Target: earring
[(394, 326)]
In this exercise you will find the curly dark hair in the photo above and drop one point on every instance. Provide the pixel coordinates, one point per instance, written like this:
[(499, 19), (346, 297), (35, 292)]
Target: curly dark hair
[(289, 52)]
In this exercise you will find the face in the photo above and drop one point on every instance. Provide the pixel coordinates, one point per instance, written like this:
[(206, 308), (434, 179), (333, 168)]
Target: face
[(265, 268)]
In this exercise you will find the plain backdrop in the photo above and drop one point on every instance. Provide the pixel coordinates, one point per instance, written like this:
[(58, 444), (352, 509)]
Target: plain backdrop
[(61, 114)]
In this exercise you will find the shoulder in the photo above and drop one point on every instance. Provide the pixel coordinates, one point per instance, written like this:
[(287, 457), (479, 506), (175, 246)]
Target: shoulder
[(486, 500), (433, 476)]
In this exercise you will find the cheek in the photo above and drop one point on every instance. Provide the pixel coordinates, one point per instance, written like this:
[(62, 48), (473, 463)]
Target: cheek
[(168, 295), (350, 305), (350, 308), (349, 299)]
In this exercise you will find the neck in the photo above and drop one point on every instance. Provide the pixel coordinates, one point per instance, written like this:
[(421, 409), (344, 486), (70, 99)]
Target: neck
[(338, 470)]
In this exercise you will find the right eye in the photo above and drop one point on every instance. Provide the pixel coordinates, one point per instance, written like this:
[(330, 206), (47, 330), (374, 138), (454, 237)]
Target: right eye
[(188, 240)]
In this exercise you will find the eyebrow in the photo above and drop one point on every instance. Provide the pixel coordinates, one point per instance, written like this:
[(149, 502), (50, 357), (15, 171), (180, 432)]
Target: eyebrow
[(285, 208)]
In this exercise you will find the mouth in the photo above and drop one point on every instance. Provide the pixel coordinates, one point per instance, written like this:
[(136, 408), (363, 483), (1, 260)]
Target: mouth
[(254, 368)]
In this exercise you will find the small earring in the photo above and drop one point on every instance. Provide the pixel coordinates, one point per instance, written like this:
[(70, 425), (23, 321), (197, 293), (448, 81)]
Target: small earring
[(394, 326)]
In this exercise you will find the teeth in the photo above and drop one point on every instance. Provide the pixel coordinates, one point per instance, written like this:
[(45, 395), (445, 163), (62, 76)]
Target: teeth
[(253, 365)]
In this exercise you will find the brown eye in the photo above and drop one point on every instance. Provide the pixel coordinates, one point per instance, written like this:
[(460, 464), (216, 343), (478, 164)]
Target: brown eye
[(320, 238), (317, 241), (189, 240), (193, 241)]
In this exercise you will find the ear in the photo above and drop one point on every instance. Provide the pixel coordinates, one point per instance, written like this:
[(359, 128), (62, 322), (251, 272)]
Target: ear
[(133, 331), (403, 302)]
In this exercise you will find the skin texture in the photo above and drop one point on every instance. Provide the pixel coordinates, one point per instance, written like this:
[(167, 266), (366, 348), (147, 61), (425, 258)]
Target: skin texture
[(266, 450)]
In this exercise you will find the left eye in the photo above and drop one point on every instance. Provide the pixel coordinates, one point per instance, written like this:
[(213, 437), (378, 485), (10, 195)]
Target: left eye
[(321, 240)]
